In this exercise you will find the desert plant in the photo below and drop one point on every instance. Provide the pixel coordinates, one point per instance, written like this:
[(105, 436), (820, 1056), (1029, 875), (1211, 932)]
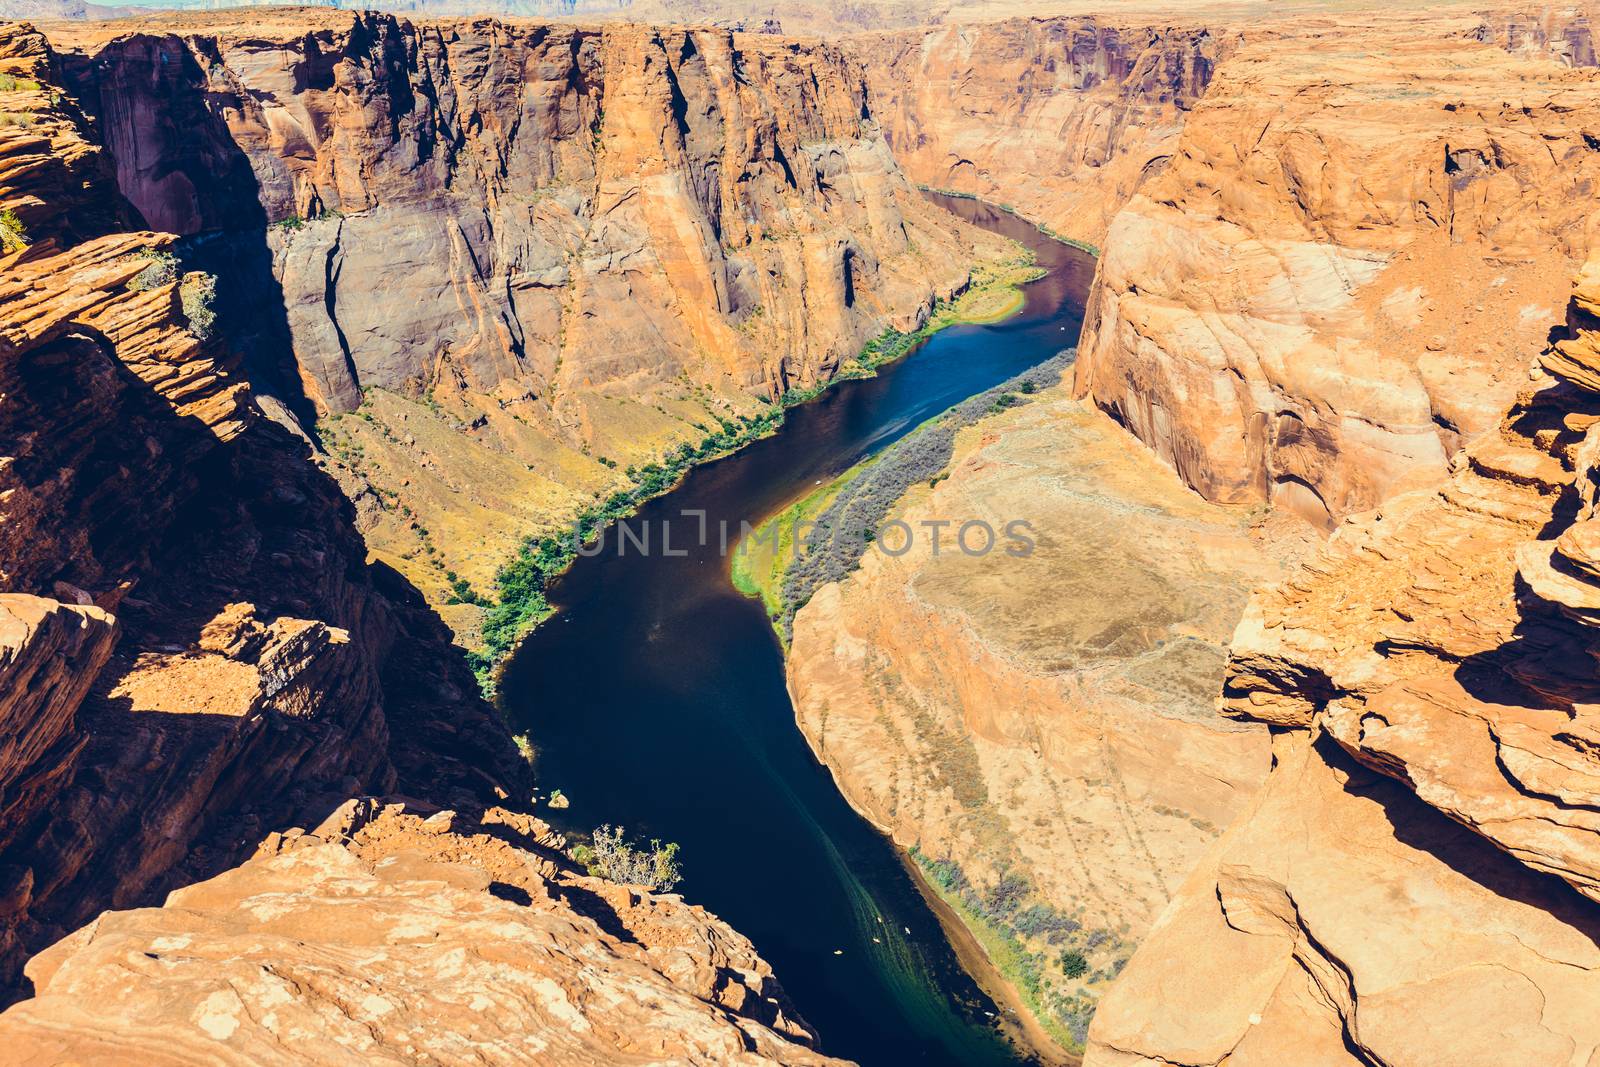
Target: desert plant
[(196, 293), (162, 269), (13, 236), (611, 857), (1074, 964), (524, 746)]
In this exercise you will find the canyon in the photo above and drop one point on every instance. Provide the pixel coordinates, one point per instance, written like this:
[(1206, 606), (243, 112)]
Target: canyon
[(214, 697), (1279, 748), (514, 263)]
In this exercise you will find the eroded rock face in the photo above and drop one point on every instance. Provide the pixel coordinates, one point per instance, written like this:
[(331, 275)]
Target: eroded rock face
[(1044, 722), (1061, 118), (1364, 228), (1434, 792), (539, 255), (388, 935)]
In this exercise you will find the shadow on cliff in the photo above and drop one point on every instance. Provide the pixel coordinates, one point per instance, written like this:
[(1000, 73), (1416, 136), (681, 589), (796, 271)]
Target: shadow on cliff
[(179, 170), (1422, 827), (173, 529)]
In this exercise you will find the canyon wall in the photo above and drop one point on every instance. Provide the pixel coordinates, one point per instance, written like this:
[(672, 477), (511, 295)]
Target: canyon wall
[(1417, 882), (198, 665), (1365, 226), (1062, 119), (531, 256)]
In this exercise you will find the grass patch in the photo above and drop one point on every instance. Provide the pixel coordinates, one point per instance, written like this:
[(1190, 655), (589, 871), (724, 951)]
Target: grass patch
[(760, 559)]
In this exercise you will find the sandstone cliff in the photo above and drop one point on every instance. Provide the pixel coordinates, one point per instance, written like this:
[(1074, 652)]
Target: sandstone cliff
[(1365, 226), (1063, 119), (1410, 885), (531, 256), (196, 659)]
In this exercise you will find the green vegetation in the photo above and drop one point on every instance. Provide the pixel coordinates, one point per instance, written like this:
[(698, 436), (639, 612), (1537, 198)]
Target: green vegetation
[(196, 294), (524, 747), (611, 857), (836, 523), (10, 83), (13, 237), (1007, 930), (162, 270), (522, 584), (760, 560), (17, 118)]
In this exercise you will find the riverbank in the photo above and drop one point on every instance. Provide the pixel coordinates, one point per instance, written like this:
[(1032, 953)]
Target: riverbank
[(1019, 1020), (1016, 1019), (992, 293)]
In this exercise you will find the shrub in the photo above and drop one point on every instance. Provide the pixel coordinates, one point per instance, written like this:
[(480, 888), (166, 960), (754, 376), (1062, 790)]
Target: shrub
[(1074, 964), (13, 237), (197, 293), (11, 83), (162, 270), (611, 857), (524, 746)]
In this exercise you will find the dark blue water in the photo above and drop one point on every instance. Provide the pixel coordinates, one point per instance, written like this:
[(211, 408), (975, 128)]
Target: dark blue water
[(656, 700)]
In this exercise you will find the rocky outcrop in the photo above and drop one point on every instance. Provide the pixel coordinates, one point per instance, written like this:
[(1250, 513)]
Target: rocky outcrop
[(1434, 789), (1364, 228), (1040, 727), (392, 934), (537, 254), (1061, 118)]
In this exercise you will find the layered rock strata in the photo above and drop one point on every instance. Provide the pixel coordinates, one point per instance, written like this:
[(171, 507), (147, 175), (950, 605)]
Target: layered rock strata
[(532, 256), (1364, 227), (1417, 882)]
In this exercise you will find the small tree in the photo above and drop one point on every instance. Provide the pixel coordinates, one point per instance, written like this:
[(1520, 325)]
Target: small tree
[(1074, 964), (611, 857)]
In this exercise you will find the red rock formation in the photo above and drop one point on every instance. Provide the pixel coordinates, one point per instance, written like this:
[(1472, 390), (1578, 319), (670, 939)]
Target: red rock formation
[(537, 254), (1365, 226), (1061, 118), (524, 210), (384, 935), (1410, 885), (255, 646)]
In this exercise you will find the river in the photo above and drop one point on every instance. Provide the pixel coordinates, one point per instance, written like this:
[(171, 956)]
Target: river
[(656, 700)]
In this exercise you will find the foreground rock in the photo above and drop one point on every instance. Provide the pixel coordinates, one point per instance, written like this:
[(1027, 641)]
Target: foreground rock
[(1417, 883), (392, 935), (1040, 729)]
